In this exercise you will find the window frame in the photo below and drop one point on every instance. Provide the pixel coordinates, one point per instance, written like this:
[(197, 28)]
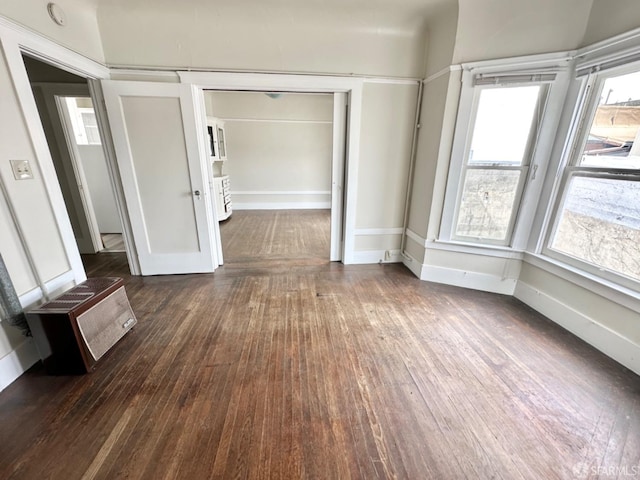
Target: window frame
[(552, 73), (523, 167), (79, 126), (592, 84)]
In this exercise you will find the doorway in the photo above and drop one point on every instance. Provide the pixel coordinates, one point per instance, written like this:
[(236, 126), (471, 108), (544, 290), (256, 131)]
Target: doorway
[(69, 122), (284, 151)]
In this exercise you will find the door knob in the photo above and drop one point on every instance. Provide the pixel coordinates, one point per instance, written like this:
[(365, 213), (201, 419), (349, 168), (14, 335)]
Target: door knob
[(197, 194)]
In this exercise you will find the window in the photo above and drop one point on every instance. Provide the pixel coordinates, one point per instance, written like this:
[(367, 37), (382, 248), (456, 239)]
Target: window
[(496, 163), (83, 120), (499, 122), (597, 223)]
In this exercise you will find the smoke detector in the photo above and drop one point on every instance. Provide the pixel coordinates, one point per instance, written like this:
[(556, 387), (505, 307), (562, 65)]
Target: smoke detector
[(56, 13)]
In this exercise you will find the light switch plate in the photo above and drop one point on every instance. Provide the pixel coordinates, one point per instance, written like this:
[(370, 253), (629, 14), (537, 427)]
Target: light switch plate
[(21, 169)]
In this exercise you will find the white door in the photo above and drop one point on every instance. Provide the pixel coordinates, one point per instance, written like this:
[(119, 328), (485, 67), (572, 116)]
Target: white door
[(159, 157)]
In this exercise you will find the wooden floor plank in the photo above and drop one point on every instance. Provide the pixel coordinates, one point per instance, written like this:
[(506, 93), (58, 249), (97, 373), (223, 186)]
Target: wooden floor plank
[(285, 365)]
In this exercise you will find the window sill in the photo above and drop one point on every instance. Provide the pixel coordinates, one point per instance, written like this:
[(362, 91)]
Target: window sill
[(475, 249)]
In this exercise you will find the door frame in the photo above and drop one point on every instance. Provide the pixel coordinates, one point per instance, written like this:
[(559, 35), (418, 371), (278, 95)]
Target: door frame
[(53, 94), (16, 41), (261, 82), (78, 169)]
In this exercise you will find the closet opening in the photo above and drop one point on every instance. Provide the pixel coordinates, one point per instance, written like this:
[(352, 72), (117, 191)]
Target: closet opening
[(277, 165)]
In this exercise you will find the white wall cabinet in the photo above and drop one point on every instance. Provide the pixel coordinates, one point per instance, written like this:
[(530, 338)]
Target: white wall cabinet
[(218, 155), (222, 190), (216, 139)]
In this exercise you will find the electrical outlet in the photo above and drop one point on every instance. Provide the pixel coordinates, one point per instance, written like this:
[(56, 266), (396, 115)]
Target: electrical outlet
[(21, 169)]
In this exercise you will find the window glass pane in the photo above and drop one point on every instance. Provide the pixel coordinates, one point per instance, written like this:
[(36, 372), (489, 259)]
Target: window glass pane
[(600, 224), (91, 128), (612, 137), (503, 124), (487, 203)]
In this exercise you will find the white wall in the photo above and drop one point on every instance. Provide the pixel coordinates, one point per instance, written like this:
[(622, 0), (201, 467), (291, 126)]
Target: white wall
[(30, 199), (388, 119), (279, 150), (80, 33), (99, 185), (611, 17), (490, 29), (442, 29), (320, 37), (35, 217)]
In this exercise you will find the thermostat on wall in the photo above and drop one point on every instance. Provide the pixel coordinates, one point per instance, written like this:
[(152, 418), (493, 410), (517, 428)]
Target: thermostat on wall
[(56, 13)]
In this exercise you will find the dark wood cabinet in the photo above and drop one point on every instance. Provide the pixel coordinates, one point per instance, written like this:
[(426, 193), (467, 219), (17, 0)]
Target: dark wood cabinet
[(74, 330)]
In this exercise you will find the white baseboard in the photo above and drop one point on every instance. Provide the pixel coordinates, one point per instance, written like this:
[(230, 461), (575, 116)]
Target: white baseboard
[(282, 206), (610, 343), (376, 256), (17, 362), (412, 264), (25, 355), (466, 279)]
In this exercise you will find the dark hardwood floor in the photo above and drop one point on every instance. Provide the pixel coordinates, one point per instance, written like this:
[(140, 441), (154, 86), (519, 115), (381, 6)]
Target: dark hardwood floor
[(325, 371), (276, 238)]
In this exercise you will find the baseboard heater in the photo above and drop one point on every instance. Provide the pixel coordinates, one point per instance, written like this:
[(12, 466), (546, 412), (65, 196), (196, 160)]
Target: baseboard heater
[(74, 330)]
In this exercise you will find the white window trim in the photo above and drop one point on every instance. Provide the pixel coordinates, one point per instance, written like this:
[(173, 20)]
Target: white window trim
[(584, 110), (537, 65)]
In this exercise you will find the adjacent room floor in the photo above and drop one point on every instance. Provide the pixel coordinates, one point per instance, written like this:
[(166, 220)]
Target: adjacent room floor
[(312, 369), (276, 237)]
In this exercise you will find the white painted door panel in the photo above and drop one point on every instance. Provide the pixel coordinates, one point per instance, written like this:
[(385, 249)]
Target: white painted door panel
[(155, 137)]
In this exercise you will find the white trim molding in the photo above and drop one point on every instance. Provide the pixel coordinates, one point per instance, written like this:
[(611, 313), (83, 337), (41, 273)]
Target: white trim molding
[(270, 200), (18, 361), (25, 355), (503, 283), (609, 342), (468, 279), (281, 192), (281, 205), (392, 81), (46, 50), (412, 264), (378, 231), (440, 73), (49, 176), (275, 120), (423, 242), (616, 293), (367, 257)]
